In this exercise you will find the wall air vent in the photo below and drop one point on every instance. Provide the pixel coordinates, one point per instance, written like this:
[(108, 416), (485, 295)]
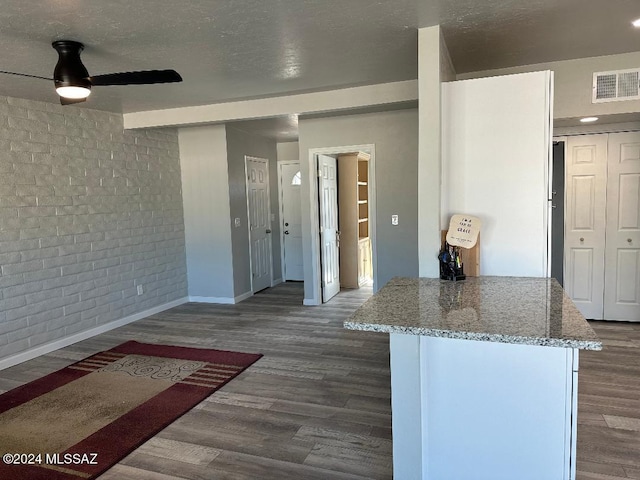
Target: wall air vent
[(616, 86)]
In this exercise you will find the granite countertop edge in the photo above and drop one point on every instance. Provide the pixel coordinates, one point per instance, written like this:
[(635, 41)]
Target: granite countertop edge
[(478, 336)]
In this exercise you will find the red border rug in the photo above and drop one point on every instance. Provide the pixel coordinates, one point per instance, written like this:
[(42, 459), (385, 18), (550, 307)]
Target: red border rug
[(79, 421)]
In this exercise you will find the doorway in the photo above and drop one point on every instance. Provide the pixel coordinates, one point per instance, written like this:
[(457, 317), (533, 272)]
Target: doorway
[(320, 267), (353, 215), (259, 224), (602, 231), (289, 184), (557, 213)]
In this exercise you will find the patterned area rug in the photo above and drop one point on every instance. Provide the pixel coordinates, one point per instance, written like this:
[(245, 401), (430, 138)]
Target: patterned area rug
[(79, 421)]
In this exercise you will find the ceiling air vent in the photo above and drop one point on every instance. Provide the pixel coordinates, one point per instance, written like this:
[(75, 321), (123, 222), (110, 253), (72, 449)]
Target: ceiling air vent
[(616, 86)]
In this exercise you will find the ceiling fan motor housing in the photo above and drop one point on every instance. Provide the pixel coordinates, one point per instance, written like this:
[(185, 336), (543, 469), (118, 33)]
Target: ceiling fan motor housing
[(69, 71)]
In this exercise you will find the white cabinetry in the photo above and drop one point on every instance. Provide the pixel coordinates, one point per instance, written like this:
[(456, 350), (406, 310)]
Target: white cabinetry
[(497, 411)]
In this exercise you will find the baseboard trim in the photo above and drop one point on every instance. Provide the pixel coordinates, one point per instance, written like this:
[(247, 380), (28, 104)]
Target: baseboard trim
[(243, 296), (222, 300), (310, 302), (77, 337)]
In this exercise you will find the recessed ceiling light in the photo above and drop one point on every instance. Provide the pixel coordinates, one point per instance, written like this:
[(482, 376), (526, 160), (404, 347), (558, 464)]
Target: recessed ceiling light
[(588, 119), (636, 23)]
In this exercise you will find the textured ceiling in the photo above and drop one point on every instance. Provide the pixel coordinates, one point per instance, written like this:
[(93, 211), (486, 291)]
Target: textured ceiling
[(230, 50), (489, 34)]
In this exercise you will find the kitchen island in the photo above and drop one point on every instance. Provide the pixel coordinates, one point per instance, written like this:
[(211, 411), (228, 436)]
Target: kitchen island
[(484, 376)]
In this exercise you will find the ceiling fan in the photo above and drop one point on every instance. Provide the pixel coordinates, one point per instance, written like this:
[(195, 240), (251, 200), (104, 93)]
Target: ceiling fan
[(73, 83)]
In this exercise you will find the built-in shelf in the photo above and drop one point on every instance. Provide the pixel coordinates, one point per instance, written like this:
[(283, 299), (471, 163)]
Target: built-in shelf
[(355, 245)]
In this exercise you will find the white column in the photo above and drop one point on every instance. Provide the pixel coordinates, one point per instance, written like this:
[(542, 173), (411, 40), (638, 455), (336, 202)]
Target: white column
[(205, 195)]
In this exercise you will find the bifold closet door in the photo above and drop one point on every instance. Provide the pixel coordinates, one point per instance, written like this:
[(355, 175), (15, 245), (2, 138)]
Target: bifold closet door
[(622, 251), (584, 247)]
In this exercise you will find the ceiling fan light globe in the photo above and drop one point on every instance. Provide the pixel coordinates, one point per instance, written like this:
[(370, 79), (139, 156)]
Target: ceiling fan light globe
[(75, 92)]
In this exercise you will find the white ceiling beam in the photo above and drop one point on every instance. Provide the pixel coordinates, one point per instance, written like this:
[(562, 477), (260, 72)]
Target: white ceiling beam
[(305, 103)]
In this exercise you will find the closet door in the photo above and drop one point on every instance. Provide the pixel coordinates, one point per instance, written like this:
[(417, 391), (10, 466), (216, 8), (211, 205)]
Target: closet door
[(622, 270), (584, 247)]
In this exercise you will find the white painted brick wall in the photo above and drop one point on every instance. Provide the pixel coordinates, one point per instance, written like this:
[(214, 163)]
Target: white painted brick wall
[(88, 212)]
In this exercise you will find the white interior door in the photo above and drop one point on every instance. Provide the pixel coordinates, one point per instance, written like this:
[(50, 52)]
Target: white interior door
[(586, 183), (290, 181), (622, 271), (329, 254), (259, 213)]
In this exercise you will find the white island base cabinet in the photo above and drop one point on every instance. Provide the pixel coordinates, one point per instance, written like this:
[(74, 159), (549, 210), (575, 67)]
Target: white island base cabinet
[(475, 410), (484, 376)]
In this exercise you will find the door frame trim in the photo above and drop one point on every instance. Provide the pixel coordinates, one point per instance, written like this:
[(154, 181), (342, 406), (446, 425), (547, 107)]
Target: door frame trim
[(314, 216), (246, 191), (564, 139), (281, 209)]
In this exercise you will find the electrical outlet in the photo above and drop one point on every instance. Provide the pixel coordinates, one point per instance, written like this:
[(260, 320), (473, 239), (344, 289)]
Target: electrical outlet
[(140, 290), (394, 219), (236, 222)]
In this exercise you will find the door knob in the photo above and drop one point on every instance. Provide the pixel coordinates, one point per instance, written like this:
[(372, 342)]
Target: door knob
[(286, 232), (268, 230), (582, 239), (629, 240), (286, 224)]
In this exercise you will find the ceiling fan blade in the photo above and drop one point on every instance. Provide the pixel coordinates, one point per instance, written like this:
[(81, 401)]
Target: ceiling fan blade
[(25, 75), (144, 77), (71, 101)]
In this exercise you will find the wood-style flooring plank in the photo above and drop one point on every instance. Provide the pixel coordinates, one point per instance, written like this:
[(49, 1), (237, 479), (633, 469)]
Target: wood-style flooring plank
[(632, 472), (179, 451), (125, 472), (609, 404), (602, 469)]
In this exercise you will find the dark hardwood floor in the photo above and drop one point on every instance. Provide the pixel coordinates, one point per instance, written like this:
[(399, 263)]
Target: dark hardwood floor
[(609, 405), (317, 405)]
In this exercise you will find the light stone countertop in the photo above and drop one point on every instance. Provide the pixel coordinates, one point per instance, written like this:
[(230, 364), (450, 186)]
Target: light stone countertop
[(519, 310)]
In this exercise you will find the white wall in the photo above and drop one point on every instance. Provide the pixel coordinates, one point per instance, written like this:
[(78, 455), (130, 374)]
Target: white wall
[(288, 151), (496, 134), (574, 81), (205, 193)]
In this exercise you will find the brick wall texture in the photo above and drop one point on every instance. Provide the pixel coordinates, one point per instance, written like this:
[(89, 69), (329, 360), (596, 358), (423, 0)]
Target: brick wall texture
[(88, 212)]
